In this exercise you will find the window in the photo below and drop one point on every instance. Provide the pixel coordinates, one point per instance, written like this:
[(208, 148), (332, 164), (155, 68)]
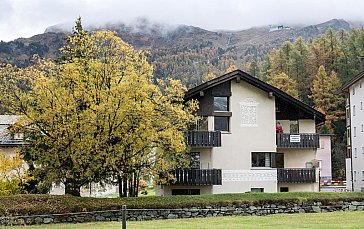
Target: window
[(354, 89), (354, 175), (221, 123), (355, 153), (195, 160), (362, 150), (221, 104), (257, 189), (354, 131), (361, 105), (362, 128), (283, 189), (360, 84), (185, 192), (362, 175), (202, 124), (293, 126), (261, 159), (353, 110)]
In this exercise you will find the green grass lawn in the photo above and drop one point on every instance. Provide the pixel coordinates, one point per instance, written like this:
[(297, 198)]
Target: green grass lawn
[(309, 220)]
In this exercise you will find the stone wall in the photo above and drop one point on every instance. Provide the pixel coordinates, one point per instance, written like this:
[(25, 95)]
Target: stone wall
[(193, 212)]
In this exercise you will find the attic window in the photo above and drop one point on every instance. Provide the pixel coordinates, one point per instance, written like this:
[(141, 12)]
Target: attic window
[(221, 104)]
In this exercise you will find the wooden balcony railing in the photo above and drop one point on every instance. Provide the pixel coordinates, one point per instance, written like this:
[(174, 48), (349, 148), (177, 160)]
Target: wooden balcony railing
[(196, 138), (298, 140), (296, 175), (197, 176)]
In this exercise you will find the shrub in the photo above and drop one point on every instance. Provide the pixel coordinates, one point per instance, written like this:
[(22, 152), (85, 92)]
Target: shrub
[(32, 204)]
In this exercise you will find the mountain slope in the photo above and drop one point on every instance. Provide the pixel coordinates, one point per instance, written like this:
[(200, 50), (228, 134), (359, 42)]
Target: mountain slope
[(184, 52)]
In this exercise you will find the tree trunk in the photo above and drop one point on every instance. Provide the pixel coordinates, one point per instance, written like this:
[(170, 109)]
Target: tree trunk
[(125, 186), (72, 188)]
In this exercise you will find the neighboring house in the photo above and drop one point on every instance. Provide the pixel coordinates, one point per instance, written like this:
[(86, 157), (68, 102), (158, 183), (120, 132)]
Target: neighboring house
[(355, 131), (9, 142), (252, 137), (324, 157)]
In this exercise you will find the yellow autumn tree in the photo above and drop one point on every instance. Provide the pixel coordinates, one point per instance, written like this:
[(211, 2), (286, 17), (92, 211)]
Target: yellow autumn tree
[(326, 95), (231, 68), (286, 84), (96, 116), (208, 77), (13, 174)]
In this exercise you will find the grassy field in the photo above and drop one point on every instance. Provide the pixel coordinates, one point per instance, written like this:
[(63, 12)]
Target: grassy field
[(313, 220)]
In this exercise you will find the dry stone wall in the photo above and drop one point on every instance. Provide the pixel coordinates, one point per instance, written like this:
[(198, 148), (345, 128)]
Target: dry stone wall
[(193, 212)]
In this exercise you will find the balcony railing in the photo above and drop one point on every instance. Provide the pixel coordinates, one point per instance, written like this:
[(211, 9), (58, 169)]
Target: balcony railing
[(298, 140), (296, 175), (196, 138), (197, 176)]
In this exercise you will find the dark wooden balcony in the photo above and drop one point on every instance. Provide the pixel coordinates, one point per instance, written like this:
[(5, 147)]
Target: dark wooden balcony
[(197, 176), (296, 175), (197, 138), (297, 140)]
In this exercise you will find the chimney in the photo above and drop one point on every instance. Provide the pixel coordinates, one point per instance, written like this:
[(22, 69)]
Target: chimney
[(361, 63)]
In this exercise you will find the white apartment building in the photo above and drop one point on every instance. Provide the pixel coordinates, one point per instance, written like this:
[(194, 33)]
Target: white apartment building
[(355, 131), (252, 137)]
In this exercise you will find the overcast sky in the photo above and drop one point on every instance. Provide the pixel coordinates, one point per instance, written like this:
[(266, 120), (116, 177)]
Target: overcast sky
[(24, 18)]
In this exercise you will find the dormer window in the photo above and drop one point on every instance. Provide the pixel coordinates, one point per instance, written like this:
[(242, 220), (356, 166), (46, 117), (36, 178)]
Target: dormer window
[(221, 104)]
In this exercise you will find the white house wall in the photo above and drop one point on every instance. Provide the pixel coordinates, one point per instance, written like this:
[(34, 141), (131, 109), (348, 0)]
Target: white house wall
[(234, 157), (357, 134)]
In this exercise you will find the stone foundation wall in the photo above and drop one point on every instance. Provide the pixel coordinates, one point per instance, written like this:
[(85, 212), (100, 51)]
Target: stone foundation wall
[(193, 212)]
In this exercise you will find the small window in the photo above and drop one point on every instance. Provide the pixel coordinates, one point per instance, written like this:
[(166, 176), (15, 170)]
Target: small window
[(360, 84), (362, 175), (354, 89), (185, 192), (283, 189), (257, 189), (353, 110), (361, 105), (293, 126), (261, 159), (221, 123), (355, 153), (195, 160), (354, 175), (354, 131), (362, 128), (221, 104), (362, 150)]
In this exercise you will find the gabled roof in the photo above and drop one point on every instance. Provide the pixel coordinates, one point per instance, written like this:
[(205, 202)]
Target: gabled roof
[(352, 81), (279, 94)]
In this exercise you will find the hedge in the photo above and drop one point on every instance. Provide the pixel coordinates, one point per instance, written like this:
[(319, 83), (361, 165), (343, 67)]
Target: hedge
[(51, 204)]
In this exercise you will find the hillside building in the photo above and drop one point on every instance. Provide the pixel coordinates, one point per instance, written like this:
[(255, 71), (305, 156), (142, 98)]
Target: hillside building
[(252, 137), (354, 90)]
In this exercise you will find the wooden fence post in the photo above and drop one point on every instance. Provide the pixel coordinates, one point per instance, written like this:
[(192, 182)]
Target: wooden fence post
[(123, 217)]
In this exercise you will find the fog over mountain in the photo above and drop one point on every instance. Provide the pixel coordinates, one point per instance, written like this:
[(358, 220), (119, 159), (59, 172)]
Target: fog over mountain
[(21, 18)]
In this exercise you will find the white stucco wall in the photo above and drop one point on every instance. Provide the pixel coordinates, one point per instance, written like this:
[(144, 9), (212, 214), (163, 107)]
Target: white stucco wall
[(243, 139), (324, 155), (357, 133)]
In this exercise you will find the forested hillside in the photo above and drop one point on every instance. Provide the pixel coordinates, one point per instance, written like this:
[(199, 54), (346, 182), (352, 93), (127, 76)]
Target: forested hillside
[(184, 52)]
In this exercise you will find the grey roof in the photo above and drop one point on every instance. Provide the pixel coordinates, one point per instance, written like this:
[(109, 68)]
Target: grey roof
[(8, 119), (352, 81), (6, 138)]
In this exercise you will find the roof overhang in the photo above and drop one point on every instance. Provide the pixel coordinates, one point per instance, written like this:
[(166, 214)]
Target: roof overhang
[(273, 91)]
